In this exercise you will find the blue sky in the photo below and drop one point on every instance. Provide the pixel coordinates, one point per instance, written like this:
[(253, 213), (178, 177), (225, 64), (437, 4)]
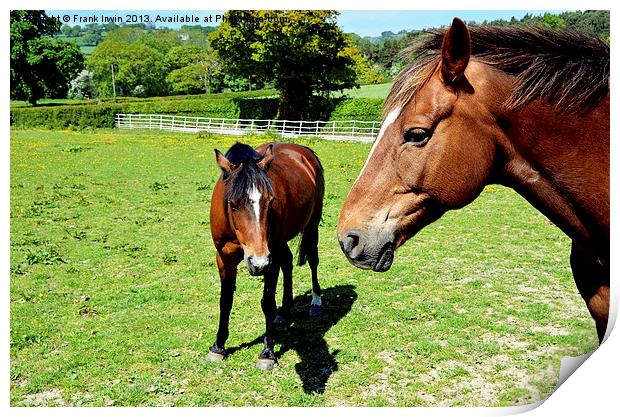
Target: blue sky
[(362, 22)]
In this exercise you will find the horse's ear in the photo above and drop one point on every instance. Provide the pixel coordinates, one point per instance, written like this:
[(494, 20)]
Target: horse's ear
[(455, 51), (266, 159), (223, 163)]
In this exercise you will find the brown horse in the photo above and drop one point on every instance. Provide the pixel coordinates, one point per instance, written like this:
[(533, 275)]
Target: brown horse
[(263, 199), (528, 109)]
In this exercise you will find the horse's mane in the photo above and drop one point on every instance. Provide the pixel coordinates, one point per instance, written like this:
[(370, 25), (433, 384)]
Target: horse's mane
[(565, 68), (239, 182)]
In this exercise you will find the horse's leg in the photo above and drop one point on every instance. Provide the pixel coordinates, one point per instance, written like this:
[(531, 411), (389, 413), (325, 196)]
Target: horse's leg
[(227, 266), (592, 280), (311, 245), (287, 284), (267, 359)]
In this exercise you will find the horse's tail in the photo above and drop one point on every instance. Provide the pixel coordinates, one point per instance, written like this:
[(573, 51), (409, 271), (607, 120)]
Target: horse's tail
[(306, 241)]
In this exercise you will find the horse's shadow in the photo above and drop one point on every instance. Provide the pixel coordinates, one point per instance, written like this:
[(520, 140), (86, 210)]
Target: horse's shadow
[(305, 335)]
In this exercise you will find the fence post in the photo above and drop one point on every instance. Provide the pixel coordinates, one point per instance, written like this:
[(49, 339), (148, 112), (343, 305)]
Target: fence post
[(269, 124), (130, 126), (150, 121), (283, 126), (317, 128), (301, 123)]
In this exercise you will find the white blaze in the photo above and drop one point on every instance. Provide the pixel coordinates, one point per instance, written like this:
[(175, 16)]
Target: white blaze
[(390, 118), (254, 196)]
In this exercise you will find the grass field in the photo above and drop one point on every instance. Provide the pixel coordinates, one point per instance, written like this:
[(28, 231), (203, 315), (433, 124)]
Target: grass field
[(369, 91), (114, 291)]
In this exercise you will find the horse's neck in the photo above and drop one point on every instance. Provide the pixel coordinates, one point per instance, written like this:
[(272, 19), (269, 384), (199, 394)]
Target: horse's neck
[(561, 165)]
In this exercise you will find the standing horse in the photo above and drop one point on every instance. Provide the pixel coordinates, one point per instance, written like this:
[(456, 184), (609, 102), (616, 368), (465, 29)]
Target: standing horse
[(528, 109), (264, 198)]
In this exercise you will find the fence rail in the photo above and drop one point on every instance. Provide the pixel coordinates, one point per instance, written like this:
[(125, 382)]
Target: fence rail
[(338, 130)]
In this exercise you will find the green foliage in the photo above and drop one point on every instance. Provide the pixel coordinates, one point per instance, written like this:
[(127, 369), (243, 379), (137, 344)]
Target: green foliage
[(301, 52), (244, 105), (102, 114), (368, 109), (553, 21), (162, 40), (134, 64), (193, 70), (40, 66), (182, 56), (365, 73)]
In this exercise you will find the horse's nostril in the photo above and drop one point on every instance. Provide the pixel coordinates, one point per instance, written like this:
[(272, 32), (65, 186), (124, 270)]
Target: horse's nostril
[(352, 243)]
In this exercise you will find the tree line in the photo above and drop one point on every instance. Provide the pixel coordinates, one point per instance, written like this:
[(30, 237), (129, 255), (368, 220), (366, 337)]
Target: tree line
[(302, 54)]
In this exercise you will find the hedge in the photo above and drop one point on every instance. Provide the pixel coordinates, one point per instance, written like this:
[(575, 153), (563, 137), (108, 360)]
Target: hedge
[(228, 106)]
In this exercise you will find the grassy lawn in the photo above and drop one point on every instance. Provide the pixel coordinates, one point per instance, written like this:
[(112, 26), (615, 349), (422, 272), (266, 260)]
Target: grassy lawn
[(114, 290), (369, 91)]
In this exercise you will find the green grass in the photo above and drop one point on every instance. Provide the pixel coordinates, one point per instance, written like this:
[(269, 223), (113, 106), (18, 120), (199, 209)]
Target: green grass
[(114, 290), (369, 91)]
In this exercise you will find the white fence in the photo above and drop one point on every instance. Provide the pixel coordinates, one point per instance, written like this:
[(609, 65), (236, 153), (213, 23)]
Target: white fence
[(338, 130)]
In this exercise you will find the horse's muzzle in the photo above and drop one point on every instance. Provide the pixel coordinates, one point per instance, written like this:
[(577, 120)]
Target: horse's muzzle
[(257, 265), (376, 253)]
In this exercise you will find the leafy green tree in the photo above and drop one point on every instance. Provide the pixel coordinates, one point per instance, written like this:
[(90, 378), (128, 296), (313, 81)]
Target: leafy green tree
[(40, 66), (553, 21), (182, 56), (134, 65), (301, 52), (161, 40), (187, 80), (365, 73), (193, 69), (126, 34)]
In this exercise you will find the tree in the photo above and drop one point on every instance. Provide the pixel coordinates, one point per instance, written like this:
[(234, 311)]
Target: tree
[(82, 86), (553, 21), (40, 66), (162, 40), (193, 69), (364, 71), (301, 52), (134, 65), (182, 56)]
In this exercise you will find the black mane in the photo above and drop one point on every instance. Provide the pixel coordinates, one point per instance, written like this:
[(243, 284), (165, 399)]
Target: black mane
[(239, 183), (565, 68)]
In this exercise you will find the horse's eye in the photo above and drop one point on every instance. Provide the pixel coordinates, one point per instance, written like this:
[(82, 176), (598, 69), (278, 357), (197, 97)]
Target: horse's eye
[(417, 136), (232, 205)]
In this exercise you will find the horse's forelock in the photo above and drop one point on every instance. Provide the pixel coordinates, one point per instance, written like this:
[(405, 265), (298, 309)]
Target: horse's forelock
[(240, 182)]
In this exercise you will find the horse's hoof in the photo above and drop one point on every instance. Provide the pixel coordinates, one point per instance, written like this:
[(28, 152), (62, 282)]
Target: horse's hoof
[(265, 364), (215, 357), (316, 311), (280, 320)]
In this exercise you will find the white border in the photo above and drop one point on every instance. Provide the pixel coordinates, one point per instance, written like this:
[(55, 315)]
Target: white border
[(592, 390)]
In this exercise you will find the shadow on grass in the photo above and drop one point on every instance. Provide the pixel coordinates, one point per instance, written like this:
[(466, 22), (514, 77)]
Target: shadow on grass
[(306, 336)]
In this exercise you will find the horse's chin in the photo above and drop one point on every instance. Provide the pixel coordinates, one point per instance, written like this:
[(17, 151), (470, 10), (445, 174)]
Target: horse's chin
[(381, 261), (385, 260)]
